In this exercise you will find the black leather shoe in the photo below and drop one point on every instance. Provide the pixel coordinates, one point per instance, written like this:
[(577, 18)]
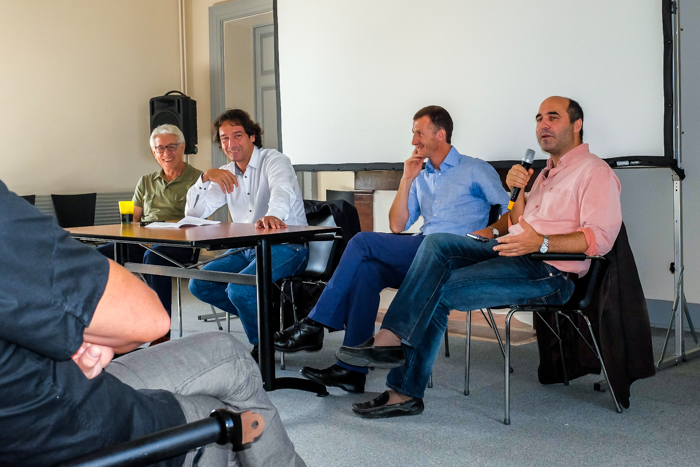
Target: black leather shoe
[(302, 335), (337, 376), (377, 408), (366, 354), (255, 353)]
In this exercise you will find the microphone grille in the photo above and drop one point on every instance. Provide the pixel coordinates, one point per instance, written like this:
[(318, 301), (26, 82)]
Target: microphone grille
[(529, 156)]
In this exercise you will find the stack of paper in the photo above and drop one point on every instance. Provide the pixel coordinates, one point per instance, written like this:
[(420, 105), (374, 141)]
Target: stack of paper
[(184, 222)]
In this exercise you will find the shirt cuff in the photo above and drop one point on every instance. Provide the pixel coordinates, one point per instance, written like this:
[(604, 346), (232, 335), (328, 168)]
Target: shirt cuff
[(278, 213), (592, 249)]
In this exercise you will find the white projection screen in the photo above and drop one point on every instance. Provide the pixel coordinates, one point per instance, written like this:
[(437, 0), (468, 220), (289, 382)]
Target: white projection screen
[(353, 72)]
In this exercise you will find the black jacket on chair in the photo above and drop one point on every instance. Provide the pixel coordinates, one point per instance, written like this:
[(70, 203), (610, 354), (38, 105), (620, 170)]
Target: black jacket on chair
[(620, 320)]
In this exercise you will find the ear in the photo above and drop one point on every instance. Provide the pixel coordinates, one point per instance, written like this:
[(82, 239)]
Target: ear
[(252, 138), (578, 124), (441, 134), (155, 154)]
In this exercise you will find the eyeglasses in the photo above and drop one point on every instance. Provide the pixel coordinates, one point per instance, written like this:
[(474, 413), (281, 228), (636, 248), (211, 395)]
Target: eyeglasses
[(169, 147)]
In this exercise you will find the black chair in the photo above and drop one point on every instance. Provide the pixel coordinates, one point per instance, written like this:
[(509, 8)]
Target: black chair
[(319, 268), (75, 210), (221, 427), (583, 294), (31, 199)]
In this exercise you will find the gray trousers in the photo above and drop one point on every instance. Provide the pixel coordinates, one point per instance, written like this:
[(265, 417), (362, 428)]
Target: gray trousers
[(208, 371)]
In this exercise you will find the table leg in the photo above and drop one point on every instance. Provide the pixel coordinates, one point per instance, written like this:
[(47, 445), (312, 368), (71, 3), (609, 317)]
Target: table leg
[(263, 271)]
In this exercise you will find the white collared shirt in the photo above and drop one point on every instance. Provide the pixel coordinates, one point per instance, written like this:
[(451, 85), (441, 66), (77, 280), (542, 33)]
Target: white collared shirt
[(267, 188)]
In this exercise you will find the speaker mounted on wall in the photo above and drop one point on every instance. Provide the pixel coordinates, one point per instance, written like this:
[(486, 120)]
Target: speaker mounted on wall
[(179, 110)]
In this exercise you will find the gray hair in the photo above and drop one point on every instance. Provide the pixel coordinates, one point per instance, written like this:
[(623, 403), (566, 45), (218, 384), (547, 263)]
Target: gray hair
[(166, 129)]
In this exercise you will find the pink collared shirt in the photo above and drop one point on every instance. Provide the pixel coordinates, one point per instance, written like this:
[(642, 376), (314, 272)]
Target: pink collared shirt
[(580, 194)]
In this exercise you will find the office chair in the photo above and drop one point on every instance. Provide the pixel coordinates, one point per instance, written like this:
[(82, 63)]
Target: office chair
[(319, 268), (584, 291), (31, 199), (75, 210)]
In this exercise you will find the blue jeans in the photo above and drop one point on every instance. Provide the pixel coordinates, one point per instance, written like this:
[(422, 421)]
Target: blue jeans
[(242, 300), (162, 285), (454, 272), (371, 262)]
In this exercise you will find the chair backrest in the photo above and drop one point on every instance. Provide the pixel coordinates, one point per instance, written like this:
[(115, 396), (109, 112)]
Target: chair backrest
[(75, 210), (494, 213), (31, 199), (585, 286), (321, 253)]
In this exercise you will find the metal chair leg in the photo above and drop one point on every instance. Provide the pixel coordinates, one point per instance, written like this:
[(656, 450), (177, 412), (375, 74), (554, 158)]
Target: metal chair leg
[(492, 324), (179, 305), (506, 418), (447, 344), (561, 349), (282, 301), (430, 381), (467, 353), (228, 322), (216, 318), (618, 408)]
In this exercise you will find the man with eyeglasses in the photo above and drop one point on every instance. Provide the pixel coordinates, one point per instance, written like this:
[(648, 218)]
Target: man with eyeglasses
[(161, 196)]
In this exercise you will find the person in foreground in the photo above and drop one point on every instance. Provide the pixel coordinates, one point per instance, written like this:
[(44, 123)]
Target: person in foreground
[(574, 207), (454, 193), (259, 185), (66, 310), (160, 196)]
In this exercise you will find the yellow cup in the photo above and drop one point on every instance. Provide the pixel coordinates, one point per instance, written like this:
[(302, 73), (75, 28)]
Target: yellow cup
[(126, 209)]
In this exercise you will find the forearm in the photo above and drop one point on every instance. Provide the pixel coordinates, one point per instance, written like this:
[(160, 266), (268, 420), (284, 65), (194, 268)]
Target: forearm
[(128, 315), (138, 212), (518, 209), (574, 242), (398, 214), (501, 225)]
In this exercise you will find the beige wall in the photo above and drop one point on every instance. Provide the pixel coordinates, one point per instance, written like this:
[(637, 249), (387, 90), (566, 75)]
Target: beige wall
[(198, 86), (76, 79)]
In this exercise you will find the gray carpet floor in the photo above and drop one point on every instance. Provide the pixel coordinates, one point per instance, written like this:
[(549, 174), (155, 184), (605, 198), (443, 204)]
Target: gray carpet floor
[(550, 425)]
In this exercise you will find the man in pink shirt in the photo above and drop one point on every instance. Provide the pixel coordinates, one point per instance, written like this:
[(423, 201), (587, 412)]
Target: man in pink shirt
[(574, 207)]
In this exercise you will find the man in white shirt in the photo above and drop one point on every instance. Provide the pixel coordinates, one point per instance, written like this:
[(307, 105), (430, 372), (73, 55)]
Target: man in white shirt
[(259, 185)]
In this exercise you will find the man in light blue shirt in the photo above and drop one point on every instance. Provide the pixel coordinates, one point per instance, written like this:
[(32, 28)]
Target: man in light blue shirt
[(454, 194)]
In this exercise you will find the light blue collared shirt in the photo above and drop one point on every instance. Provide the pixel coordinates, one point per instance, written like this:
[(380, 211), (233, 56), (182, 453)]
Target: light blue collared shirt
[(457, 198)]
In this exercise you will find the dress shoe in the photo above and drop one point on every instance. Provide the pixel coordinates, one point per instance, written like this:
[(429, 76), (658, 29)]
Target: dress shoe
[(366, 354), (378, 408), (255, 353), (302, 335), (337, 376)]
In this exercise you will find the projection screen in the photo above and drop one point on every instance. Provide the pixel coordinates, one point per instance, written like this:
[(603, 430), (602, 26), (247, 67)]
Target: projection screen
[(353, 73)]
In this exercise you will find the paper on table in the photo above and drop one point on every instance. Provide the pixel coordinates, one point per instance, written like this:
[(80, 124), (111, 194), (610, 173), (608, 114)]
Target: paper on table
[(185, 221)]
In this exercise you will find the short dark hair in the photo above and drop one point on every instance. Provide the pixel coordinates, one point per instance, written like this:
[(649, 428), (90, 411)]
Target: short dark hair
[(238, 117), (438, 117), (575, 112)]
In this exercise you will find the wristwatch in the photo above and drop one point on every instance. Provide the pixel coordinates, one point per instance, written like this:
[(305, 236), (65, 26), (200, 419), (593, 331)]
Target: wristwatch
[(545, 245), (494, 232)]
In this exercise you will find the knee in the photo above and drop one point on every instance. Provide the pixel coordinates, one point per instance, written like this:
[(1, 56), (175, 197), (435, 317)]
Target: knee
[(195, 287), (360, 243), (240, 294)]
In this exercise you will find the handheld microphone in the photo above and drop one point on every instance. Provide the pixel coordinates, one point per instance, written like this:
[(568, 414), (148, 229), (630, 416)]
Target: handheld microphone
[(526, 162)]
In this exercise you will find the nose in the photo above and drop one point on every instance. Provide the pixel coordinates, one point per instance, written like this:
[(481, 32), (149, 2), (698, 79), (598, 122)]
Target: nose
[(415, 140)]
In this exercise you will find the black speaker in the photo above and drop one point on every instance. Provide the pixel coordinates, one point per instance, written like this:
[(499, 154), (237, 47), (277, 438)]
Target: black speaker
[(178, 110)]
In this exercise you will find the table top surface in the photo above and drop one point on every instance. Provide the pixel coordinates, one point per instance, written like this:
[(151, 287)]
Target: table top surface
[(226, 234)]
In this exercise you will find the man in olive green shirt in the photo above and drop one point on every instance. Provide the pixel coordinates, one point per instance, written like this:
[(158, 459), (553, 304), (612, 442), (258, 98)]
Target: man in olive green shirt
[(161, 196)]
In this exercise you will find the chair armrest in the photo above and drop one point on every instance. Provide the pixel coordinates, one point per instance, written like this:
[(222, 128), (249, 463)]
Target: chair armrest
[(563, 257)]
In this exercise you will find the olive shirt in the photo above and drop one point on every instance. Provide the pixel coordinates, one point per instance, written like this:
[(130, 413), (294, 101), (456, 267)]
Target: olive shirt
[(162, 200)]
